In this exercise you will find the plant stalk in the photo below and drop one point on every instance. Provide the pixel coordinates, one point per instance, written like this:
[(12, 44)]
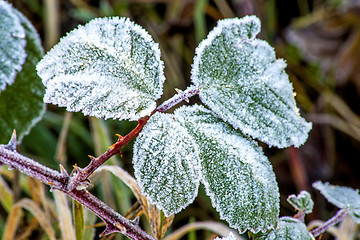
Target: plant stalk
[(81, 175), (180, 96), (60, 180), (338, 217)]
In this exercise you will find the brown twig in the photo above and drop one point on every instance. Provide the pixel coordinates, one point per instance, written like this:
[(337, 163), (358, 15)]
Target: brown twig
[(59, 180)]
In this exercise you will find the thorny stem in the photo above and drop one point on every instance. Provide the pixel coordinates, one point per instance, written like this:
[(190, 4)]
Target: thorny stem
[(80, 175), (182, 95), (74, 185), (59, 180), (338, 217)]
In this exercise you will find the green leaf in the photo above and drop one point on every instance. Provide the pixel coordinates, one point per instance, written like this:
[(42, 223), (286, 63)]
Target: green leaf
[(12, 45), (342, 197), (21, 104), (79, 220), (109, 68), (241, 80), (301, 202), (166, 163), (236, 174), (290, 229)]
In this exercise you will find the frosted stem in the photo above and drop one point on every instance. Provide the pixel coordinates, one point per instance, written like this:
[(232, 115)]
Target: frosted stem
[(180, 96), (80, 175), (338, 217), (59, 180)]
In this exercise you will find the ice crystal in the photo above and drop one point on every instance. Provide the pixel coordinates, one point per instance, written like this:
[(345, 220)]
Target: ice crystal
[(241, 80), (231, 236), (166, 164), (237, 176), (290, 228), (301, 202), (109, 68), (12, 45), (342, 197), (21, 104)]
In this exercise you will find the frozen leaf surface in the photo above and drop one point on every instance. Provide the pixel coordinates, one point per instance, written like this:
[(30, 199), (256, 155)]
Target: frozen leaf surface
[(301, 202), (109, 68), (241, 80), (12, 45), (230, 237), (236, 174), (290, 229), (21, 104), (166, 163), (342, 197)]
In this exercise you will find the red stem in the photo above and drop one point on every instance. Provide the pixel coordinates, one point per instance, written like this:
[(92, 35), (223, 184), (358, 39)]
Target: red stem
[(81, 175), (59, 180)]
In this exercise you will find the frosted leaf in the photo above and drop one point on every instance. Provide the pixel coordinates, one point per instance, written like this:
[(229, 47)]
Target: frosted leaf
[(21, 104), (166, 163), (109, 68), (230, 237), (301, 202), (236, 174), (342, 197), (12, 45), (241, 80), (290, 229)]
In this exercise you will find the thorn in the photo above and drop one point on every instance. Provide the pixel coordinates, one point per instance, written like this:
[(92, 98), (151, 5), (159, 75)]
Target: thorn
[(112, 146), (187, 100), (119, 136), (136, 221), (120, 227), (12, 143), (109, 229), (178, 90), (51, 184), (121, 155), (63, 171), (91, 157), (84, 185), (76, 168)]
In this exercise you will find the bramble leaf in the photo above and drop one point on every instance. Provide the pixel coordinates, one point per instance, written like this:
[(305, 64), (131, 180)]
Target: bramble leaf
[(166, 163), (301, 202), (231, 236), (12, 45), (109, 68), (237, 176), (21, 104), (241, 80), (290, 228), (342, 197)]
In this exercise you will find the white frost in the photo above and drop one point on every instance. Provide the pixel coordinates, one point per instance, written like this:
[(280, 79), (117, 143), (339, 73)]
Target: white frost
[(241, 81), (166, 164), (231, 236), (237, 175), (108, 68), (12, 45)]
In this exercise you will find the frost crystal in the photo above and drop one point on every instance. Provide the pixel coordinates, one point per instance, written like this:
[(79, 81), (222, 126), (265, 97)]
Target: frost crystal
[(12, 45), (109, 68), (21, 104), (166, 163), (290, 228), (302, 202), (237, 176), (231, 236), (342, 197), (241, 80)]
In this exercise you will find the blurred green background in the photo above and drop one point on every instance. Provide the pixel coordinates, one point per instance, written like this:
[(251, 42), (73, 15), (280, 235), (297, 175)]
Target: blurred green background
[(320, 41)]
